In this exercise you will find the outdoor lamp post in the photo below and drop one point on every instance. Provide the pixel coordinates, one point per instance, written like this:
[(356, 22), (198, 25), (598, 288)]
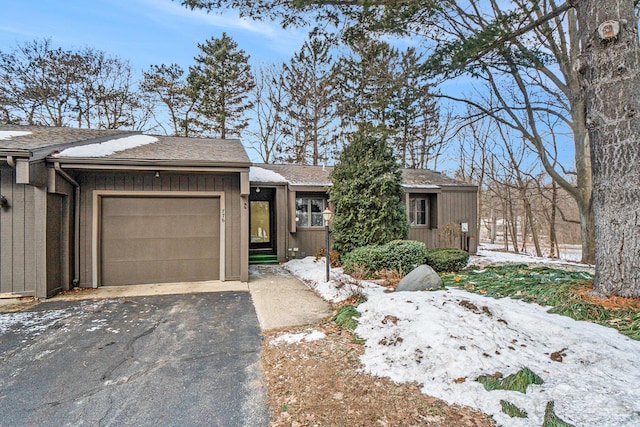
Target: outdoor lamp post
[(326, 215)]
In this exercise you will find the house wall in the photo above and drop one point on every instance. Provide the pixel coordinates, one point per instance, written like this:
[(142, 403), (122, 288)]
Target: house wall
[(229, 183), (453, 204), (308, 241), (458, 205), (17, 236)]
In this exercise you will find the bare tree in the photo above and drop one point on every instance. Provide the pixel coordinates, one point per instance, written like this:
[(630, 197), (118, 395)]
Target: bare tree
[(266, 137)]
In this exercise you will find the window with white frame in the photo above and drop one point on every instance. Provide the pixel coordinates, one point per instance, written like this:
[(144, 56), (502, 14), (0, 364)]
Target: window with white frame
[(309, 211), (420, 210)]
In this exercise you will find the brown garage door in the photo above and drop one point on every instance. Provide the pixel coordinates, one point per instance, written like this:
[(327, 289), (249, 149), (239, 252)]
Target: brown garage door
[(159, 240)]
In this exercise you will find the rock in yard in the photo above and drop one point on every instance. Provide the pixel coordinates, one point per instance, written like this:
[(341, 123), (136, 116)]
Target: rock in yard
[(421, 278)]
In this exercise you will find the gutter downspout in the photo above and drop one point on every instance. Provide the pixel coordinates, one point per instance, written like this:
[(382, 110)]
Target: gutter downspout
[(76, 222), (11, 162)]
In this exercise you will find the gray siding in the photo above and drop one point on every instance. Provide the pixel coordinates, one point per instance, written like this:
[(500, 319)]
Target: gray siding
[(458, 206), (17, 241), (308, 241), (229, 183)]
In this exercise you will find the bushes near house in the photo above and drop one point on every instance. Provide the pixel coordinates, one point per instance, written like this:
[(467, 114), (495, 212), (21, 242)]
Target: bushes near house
[(399, 255), (446, 259)]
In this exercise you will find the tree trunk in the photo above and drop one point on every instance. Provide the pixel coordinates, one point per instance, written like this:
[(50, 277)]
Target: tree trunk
[(610, 69), (553, 241)]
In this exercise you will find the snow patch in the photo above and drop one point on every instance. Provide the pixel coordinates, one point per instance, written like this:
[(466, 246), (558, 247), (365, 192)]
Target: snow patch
[(8, 134), (444, 340), (258, 174), (106, 148), (340, 286), (298, 338), (32, 322)]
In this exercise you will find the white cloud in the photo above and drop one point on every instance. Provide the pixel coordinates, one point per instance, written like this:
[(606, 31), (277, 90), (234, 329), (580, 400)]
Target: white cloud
[(224, 20)]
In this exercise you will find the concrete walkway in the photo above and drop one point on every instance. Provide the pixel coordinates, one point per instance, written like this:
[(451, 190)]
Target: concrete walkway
[(280, 299)]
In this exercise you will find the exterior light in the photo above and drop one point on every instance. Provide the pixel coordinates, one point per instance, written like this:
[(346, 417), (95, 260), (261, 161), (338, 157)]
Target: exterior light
[(326, 216), (3, 201)]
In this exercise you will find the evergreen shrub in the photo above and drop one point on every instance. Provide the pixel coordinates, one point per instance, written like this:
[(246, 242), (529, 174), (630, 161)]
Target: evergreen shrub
[(398, 255), (446, 259)]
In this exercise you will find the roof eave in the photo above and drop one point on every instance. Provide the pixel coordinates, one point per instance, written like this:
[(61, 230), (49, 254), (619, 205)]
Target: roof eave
[(145, 164)]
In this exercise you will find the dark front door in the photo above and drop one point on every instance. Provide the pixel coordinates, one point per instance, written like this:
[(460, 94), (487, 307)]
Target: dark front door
[(261, 221)]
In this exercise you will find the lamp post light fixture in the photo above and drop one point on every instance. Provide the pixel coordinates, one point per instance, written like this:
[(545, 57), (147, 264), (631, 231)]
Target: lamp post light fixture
[(326, 216)]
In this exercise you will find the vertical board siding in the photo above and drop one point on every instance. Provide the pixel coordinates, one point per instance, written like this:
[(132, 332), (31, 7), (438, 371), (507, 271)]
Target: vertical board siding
[(458, 207), (309, 240), (146, 181), (17, 252)]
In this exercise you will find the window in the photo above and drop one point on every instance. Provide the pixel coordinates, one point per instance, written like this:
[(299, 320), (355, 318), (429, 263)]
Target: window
[(420, 211), (309, 211)]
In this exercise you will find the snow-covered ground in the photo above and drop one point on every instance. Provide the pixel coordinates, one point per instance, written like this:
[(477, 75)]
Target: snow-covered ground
[(571, 253), (444, 340)]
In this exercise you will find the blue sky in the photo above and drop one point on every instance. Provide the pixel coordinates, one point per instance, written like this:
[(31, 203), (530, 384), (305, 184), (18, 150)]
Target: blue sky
[(145, 32)]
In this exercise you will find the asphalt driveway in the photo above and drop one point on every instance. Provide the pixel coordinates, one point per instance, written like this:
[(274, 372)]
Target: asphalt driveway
[(169, 360)]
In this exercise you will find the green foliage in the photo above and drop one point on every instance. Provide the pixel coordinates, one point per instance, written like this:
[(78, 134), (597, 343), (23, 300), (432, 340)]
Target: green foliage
[(560, 289), (512, 410), (398, 255), (222, 81), (346, 317), (514, 382), (551, 419), (446, 259), (367, 195), (308, 112)]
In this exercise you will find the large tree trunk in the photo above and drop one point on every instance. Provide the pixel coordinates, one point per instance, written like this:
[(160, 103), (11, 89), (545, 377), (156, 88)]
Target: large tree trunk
[(611, 71)]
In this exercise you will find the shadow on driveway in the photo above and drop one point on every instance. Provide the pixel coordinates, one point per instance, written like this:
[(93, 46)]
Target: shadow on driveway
[(171, 360)]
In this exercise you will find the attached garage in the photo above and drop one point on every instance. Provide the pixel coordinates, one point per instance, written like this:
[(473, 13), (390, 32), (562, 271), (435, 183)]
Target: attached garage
[(160, 238)]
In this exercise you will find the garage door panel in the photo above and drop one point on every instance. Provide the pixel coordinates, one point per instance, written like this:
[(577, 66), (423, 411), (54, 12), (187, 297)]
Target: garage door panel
[(159, 239), (141, 226), (160, 249), (170, 271)]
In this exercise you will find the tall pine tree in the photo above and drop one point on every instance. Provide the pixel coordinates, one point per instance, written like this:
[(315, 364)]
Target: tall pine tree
[(367, 195), (223, 81)]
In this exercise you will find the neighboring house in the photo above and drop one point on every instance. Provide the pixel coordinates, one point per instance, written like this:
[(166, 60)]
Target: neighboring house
[(92, 208)]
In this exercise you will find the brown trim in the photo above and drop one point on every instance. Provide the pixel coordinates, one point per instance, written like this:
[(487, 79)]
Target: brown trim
[(97, 217)]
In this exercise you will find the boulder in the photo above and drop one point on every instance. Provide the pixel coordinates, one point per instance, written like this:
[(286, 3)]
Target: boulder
[(421, 278)]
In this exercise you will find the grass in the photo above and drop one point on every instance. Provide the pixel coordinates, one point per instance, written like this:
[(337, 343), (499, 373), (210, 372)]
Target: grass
[(512, 410), (566, 292), (346, 317), (551, 419), (514, 382)]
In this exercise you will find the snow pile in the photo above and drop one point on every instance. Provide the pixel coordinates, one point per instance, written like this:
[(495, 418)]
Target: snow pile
[(257, 174), (106, 148), (298, 338), (8, 134), (340, 286), (444, 340)]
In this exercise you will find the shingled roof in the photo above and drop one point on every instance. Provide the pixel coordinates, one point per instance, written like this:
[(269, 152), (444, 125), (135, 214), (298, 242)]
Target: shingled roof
[(80, 144), (45, 139), (304, 175), (169, 149)]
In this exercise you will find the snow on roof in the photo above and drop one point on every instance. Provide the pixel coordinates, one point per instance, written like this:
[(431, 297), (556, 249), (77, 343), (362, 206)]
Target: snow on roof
[(428, 186), (8, 134), (109, 147), (257, 174)]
